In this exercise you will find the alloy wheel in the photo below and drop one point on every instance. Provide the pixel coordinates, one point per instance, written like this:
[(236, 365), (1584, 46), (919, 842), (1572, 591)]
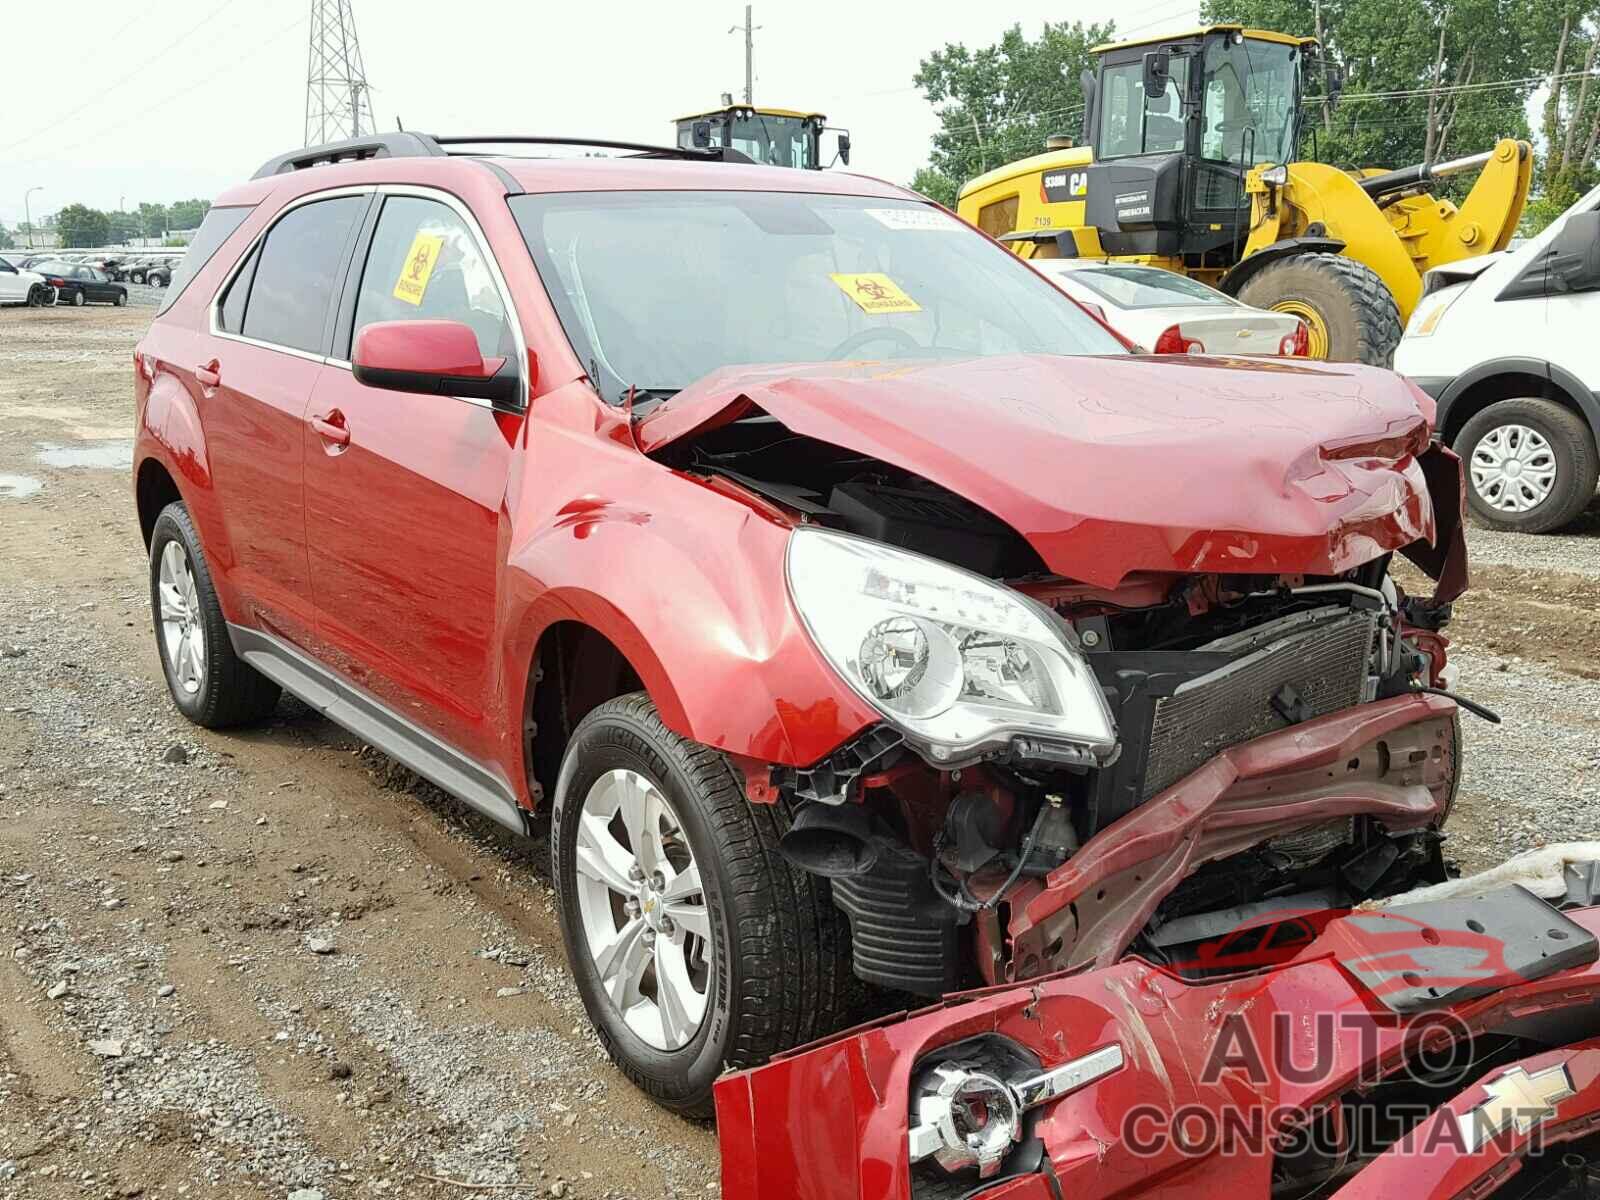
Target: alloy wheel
[(183, 635), (1513, 468), (642, 909)]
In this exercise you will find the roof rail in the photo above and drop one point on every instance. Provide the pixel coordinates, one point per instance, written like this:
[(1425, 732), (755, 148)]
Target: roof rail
[(641, 149), (379, 145), (421, 145)]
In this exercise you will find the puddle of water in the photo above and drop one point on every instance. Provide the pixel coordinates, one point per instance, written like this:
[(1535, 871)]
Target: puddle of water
[(18, 487), (109, 456)]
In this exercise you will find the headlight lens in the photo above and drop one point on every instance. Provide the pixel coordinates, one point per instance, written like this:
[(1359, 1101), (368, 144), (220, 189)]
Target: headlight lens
[(958, 662), (1431, 311)]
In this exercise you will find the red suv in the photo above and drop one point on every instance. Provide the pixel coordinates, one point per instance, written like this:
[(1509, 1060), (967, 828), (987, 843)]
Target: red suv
[(855, 603)]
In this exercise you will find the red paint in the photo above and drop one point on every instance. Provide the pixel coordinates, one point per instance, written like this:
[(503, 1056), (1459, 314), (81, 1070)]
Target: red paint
[(778, 1144), (1262, 465), (422, 347)]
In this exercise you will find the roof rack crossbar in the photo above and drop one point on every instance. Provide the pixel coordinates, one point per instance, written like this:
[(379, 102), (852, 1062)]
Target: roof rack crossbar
[(399, 144)]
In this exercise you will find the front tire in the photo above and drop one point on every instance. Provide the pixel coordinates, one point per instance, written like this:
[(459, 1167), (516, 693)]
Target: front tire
[(1531, 465), (1351, 314), (696, 947), (36, 296), (209, 683)]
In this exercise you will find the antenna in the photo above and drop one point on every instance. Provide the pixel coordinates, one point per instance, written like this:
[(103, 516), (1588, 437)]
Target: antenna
[(338, 100)]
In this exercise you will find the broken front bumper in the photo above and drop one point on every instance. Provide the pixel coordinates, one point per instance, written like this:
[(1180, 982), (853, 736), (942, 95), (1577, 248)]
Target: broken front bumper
[(1274, 1051)]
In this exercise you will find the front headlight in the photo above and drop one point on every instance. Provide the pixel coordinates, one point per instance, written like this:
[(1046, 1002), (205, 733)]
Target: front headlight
[(959, 663), (1431, 311)]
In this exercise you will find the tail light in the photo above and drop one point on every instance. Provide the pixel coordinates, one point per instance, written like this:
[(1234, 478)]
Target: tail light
[(1172, 341), (56, 283), (1296, 344)]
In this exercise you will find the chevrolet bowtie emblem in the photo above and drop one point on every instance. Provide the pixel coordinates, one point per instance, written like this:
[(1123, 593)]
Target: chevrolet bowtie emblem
[(1244, 333), (1515, 1099)]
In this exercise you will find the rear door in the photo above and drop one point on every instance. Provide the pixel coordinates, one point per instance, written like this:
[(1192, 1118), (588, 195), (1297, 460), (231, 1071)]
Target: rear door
[(271, 327), (405, 503)]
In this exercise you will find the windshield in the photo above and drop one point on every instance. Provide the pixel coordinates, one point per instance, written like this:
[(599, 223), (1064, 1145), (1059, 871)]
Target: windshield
[(773, 141), (1250, 98), (657, 289), (1143, 287)]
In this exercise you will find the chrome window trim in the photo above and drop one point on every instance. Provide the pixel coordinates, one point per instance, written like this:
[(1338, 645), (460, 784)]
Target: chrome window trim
[(450, 201), (215, 307)]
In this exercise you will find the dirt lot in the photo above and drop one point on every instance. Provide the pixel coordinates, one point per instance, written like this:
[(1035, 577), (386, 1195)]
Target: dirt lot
[(166, 1027)]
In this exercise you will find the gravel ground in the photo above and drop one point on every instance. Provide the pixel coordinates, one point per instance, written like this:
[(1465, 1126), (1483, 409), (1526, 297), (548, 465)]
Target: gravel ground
[(272, 963)]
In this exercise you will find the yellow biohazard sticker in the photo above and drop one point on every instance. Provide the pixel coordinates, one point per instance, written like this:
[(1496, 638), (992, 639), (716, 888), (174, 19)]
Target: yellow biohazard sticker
[(875, 293), (417, 267)]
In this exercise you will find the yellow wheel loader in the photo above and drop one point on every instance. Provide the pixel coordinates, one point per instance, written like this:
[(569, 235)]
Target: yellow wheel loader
[(779, 137), (1189, 163)]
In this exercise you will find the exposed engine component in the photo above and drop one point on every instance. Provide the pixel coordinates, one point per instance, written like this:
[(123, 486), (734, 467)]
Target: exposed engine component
[(903, 936)]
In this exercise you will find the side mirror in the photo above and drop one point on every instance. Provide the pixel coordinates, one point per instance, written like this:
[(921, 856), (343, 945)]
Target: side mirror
[(434, 358), (1575, 254), (700, 135), (844, 147), (1157, 73)]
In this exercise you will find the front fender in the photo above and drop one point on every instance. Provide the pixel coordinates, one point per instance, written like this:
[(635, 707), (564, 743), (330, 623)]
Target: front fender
[(687, 581)]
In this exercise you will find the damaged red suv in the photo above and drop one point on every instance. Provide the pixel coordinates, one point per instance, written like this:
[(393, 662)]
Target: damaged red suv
[(857, 606)]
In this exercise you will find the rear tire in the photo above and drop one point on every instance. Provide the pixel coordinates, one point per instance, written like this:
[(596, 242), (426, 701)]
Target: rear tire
[(120, 300), (1542, 438), (210, 684), (79, 300), (1359, 319), (36, 296), (777, 959)]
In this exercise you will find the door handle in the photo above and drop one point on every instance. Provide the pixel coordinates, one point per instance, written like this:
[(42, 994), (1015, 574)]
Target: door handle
[(210, 375), (332, 429)]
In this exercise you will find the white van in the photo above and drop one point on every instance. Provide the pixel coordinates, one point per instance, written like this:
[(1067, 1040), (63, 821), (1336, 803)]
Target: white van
[(1509, 346)]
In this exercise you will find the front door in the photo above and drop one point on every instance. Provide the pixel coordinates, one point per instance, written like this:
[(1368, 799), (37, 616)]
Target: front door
[(255, 379), (405, 493)]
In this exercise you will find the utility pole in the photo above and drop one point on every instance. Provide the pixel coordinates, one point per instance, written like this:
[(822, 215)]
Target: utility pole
[(338, 97), (749, 29), (27, 213)]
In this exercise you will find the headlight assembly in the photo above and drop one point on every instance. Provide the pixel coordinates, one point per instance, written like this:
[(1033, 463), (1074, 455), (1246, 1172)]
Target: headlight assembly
[(959, 663)]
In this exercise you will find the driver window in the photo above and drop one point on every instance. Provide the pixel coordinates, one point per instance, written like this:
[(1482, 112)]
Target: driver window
[(425, 265)]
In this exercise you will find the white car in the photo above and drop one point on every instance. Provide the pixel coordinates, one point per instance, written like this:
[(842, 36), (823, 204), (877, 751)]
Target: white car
[(1506, 346), (1166, 313), (23, 287)]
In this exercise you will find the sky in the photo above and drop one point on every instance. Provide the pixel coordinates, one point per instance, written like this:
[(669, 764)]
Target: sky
[(181, 98)]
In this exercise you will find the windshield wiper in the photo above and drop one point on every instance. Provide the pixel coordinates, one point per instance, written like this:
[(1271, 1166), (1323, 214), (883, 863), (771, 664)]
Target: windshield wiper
[(640, 394)]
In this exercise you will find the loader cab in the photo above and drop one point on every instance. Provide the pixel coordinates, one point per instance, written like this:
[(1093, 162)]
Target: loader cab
[(777, 137), (1176, 125)]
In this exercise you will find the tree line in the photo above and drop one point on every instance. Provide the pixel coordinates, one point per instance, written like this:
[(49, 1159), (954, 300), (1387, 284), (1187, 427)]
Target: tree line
[(1423, 83), (81, 225)]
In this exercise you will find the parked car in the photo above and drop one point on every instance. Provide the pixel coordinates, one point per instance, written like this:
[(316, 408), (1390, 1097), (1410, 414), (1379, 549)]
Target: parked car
[(851, 602), (79, 285), (160, 271), (136, 267), (19, 286), (1168, 313), (1505, 344)]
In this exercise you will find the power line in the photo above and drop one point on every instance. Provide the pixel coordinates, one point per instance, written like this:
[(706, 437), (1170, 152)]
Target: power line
[(107, 91), (1455, 88)]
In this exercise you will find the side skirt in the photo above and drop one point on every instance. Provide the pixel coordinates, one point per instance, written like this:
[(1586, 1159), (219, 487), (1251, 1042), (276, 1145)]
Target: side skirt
[(376, 723)]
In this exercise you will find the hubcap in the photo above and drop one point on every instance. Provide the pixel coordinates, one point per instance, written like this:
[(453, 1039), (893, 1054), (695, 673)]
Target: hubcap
[(643, 909), (1513, 468), (183, 635), (1316, 327)]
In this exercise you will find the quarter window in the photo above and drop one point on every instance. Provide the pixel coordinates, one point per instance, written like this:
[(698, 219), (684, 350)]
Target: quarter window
[(295, 273), (425, 265)]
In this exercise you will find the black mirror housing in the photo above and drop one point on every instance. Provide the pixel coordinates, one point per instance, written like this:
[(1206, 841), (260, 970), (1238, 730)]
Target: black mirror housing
[(1157, 73), (844, 147)]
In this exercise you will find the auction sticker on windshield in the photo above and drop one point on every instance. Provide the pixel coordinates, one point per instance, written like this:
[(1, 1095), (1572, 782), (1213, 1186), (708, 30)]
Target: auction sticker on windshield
[(914, 218), (417, 267), (875, 293)]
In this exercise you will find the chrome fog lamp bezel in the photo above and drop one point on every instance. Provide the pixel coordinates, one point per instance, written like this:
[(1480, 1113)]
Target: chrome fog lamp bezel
[(949, 1147)]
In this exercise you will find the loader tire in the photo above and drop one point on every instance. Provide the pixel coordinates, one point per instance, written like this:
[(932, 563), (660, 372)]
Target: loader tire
[(1352, 314)]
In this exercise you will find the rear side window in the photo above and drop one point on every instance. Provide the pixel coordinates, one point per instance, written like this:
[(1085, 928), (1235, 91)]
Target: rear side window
[(296, 271), (215, 228), (231, 318)]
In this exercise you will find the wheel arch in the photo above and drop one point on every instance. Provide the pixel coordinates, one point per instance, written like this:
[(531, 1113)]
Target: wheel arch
[(1510, 379), (1242, 272), (154, 488)]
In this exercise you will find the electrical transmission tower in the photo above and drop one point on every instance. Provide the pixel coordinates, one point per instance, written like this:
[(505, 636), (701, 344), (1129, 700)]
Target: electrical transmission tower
[(338, 104)]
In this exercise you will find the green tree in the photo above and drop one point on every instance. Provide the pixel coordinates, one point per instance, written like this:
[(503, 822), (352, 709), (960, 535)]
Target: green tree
[(1570, 120), (186, 214), (79, 225), (6, 240), (152, 220), (1425, 81), (998, 103)]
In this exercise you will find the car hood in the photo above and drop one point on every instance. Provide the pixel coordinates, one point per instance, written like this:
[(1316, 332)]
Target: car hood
[(1110, 465)]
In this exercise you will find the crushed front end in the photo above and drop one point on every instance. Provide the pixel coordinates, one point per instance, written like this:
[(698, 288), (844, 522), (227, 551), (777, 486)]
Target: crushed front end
[(1430, 1050)]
